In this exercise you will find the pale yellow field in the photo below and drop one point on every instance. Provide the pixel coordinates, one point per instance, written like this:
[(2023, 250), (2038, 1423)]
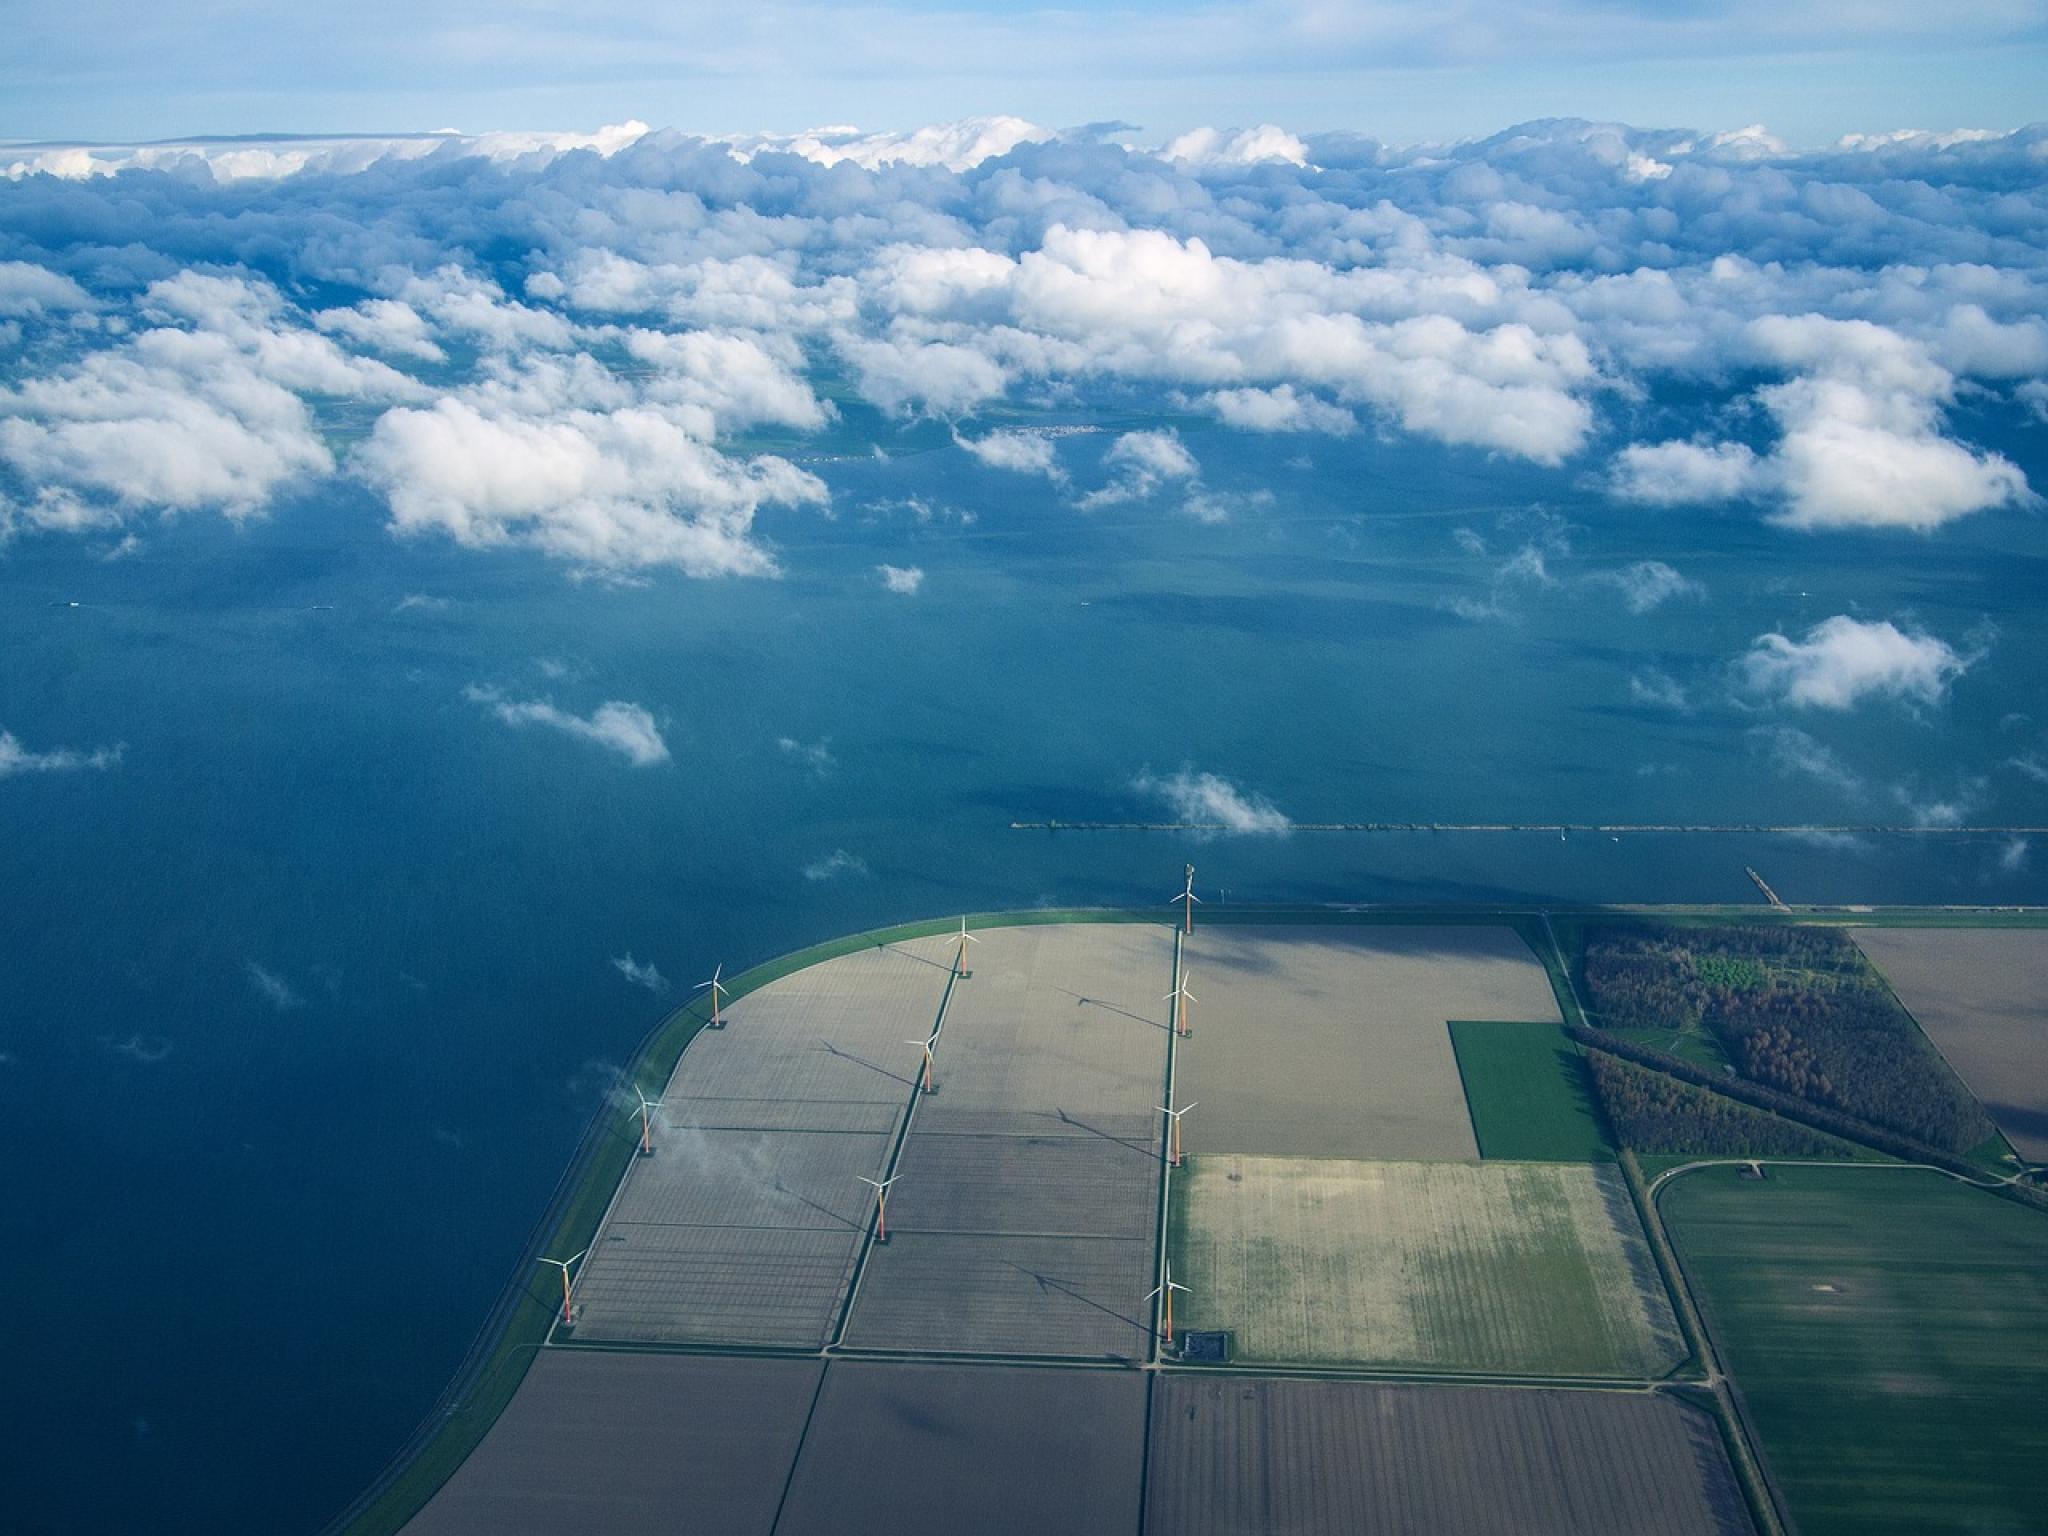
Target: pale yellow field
[(1539, 1269)]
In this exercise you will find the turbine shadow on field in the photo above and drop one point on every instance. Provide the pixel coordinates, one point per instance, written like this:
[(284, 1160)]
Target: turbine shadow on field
[(1047, 1283), (826, 1211), (1144, 1149), (862, 1061), (1106, 1004), (937, 965)]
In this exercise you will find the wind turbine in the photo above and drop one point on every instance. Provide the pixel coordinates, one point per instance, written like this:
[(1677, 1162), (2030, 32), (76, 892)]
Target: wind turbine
[(881, 1189), (1190, 898), (646, 1129), (1174, 1159), (965, 938), (929, 1085), (717, 992), (1166, 1288), (1180, 997), (564, 1265)]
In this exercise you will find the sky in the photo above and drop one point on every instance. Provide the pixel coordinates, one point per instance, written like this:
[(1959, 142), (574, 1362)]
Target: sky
[(1401, 70)]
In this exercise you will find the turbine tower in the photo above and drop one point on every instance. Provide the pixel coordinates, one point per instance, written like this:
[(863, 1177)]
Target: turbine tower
[(647, 1106), (718, 991), (1189, 898), (881, 1189), (927, 1085), (1173, 1157), (965, 938), (565, 1265), (1165, 1289), (1180, 997)]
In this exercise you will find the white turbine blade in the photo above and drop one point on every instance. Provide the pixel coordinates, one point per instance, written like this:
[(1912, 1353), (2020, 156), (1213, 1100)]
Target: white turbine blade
[(1190, 895), (1191, 1103)]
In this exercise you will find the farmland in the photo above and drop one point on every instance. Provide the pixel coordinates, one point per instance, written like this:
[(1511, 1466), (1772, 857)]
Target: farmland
[(1244, 1457), (1888, 1329), (1528, 1091), (621, 1441), (937, 1450), (1024, 1219), (1982, 998), (745, 1224), (1502, 1267), (1884, 1337), (1333, 1041)]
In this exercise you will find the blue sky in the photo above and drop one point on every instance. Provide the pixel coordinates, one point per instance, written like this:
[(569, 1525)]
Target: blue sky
[(1400, 70)]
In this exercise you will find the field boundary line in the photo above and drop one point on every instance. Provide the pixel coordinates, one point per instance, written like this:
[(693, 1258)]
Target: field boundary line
[(1162, 1236), (867, 1242)]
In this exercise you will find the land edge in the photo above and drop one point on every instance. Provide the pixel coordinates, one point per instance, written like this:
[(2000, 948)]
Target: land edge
[(520, 1320)]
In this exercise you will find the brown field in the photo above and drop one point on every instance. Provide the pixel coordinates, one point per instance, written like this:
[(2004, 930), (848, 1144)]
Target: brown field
[(1240, 1456), (1981, 995), (624, 1444), (1024, 1221), (936, 1450), (1335, 1041), (745, 1224)]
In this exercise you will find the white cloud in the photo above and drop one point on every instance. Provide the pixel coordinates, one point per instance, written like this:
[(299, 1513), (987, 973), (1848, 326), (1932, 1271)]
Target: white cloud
[(1237, 147), (1860, 444), (1204, 799), (612, 491), (29, 291), (1647, 584), (272, 988), (835, 865), (15, 758), (641, 974), (1843, 661), (1139, 464), (1680, 473), (1280, 409), (1025, 453), (904, 580), (2012, 858), (627, 729)]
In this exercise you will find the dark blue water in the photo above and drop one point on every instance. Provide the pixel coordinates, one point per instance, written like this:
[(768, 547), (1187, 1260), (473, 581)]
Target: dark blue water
[(246, 1243)]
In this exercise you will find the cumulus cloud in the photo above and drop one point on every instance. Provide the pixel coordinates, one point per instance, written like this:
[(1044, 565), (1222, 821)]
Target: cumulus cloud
[(641, 974), (1861, 441), (1842, 661), (16, 758), (1140, 463), (613, 491), (627, 729), (1647, 584), (903, 580), (1213, 802), (578, 342), (1024, 453)]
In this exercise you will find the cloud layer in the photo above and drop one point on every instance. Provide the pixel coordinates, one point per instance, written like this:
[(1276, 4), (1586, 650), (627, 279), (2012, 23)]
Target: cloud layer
[(614, 347)]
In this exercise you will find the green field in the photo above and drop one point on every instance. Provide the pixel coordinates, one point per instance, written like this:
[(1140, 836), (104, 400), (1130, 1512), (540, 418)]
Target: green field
[(1526, 1268), (1528, 1094), (1888, 1329)]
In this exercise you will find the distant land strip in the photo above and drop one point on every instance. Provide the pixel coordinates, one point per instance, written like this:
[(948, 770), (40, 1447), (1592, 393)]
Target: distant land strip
[(1612, 828)]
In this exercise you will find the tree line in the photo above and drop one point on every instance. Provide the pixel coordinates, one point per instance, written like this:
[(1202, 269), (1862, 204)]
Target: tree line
[(1798, 1009)]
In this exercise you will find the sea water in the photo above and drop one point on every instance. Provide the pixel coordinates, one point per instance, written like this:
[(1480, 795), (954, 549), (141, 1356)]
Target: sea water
[(305, 1000)]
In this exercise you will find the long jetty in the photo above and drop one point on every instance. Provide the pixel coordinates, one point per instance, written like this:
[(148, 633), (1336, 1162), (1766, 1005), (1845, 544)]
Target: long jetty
[(1612, 829)]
